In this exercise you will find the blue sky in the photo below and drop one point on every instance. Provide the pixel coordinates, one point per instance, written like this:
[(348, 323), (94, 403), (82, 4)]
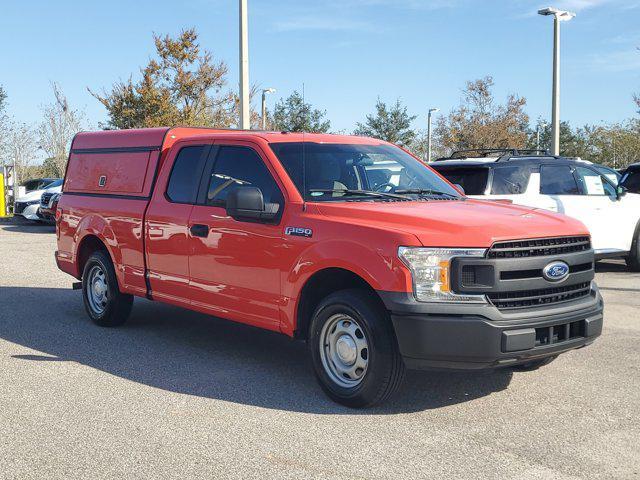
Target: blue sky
[(346, 52)]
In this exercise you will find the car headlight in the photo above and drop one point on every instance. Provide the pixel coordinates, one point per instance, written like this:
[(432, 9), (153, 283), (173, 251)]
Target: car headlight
[(431, 273)]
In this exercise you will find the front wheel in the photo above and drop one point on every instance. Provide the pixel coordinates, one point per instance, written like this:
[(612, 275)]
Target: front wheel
[(354, 350), (633, 260), (103, 301)]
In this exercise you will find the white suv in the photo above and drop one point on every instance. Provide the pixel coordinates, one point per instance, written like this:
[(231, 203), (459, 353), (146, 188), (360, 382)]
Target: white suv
[(27, 205), (566, 185)]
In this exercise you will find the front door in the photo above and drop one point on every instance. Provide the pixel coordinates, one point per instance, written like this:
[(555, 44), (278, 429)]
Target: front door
[(583, 193), (234, 266)]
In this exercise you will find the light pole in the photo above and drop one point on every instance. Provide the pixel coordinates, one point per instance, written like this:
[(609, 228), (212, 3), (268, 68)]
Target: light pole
[(245, 107), (558, 16), (543, 125), (431, 112), (264, 106)]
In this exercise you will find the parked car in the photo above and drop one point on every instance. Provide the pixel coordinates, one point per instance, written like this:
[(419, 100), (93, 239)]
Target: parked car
[(48, 206), (630, 180), (349, 243), (27, 206), (565, 185)]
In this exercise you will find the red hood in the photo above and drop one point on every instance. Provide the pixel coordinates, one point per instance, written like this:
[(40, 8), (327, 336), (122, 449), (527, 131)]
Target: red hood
[(470, 223)]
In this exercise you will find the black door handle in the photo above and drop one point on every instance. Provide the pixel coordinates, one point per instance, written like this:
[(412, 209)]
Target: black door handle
[(199, 230)]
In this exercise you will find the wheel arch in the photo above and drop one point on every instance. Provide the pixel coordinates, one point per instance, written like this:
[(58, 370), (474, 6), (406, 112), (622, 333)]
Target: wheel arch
[(321, 284)]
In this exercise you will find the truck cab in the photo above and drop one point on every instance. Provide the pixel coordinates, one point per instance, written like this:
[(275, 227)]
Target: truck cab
[(348, 243)]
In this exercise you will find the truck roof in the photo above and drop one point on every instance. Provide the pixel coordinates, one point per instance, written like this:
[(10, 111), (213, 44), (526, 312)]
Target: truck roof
[(164, 137)]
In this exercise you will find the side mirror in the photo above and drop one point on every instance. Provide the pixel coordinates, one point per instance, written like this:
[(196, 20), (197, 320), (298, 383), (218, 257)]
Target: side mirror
[(459, 187), (247, 203), (620, 191)]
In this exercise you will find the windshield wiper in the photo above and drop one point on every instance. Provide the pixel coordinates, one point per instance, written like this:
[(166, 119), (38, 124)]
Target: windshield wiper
[(369, 193), (425, 191)]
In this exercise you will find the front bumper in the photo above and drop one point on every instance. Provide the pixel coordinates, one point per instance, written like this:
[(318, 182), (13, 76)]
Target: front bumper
[(30, 212), (468, 337)]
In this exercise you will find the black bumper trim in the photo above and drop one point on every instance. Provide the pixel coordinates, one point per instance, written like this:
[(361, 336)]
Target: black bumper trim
[(482, 337)]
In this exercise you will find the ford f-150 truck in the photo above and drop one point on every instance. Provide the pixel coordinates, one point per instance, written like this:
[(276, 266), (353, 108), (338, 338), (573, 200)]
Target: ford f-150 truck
[(349, 243)]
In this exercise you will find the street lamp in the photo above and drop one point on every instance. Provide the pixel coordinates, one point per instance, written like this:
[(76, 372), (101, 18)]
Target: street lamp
[(264, 105), (431, 111), (558, 16), (543, 125), (245, 107)]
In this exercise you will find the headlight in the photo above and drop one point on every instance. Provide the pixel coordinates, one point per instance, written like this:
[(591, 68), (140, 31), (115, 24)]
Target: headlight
[(431, 273)]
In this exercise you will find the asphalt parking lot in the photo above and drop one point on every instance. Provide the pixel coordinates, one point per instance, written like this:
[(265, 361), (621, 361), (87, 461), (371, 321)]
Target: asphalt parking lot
[(176, 394)]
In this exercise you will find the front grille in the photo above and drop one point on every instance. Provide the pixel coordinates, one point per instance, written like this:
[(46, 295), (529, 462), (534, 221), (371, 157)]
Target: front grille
[(19, 207), (536, 298), (44, 200), (539, 247), (537, 273)]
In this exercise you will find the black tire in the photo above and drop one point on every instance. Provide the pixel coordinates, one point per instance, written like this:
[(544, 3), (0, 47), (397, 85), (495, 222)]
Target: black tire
[(116, 306), (633, 260), (384, 369), (534, 364)]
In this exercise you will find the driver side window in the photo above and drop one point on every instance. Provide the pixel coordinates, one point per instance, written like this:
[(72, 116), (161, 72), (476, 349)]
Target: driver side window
[(592, 182), (235, 166)]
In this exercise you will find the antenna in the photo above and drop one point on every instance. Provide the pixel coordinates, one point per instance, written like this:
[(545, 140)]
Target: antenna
[(304, 158)]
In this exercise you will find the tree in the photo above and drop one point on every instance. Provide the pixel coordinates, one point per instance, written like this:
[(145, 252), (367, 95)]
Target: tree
[(295, 115), (3, 123), (391, 124), (60, 123), (183, 86), (479, 122), (21, 149)]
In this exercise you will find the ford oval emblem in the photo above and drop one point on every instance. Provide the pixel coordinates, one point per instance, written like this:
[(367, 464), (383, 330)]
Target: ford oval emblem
[(556, 271)]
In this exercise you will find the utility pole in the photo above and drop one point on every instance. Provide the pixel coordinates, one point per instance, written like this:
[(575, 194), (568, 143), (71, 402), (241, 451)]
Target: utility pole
[(543, 125), (558, 16), (245, 106), (264, 106), (431, 112)]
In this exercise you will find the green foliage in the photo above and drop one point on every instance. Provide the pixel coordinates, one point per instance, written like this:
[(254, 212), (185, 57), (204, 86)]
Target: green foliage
[(616, 145), (391, 124), (295, 115), (182, 86), (479, 122)]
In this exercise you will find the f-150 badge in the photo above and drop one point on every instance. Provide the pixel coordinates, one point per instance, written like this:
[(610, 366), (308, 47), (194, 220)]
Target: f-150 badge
[(298, 232)]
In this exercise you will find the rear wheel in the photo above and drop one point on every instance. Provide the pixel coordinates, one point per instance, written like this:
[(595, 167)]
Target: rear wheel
[(354, 350), (103, 301)]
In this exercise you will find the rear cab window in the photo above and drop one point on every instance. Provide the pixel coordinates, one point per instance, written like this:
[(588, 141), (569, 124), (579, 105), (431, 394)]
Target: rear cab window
[(186, 173)]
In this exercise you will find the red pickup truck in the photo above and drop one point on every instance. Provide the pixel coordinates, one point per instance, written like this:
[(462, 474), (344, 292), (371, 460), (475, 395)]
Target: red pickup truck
[(349, 243)]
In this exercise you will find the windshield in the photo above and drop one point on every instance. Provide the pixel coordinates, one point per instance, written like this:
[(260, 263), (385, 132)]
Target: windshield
[(57, 183), (333, 169)]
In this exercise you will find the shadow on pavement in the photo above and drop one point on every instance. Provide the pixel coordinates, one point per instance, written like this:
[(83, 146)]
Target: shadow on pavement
[(608, 266), (190, 353), (22, 225)]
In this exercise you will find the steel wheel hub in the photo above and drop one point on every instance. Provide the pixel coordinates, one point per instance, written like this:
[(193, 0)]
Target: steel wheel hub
[(97, 290), (344, 350)]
